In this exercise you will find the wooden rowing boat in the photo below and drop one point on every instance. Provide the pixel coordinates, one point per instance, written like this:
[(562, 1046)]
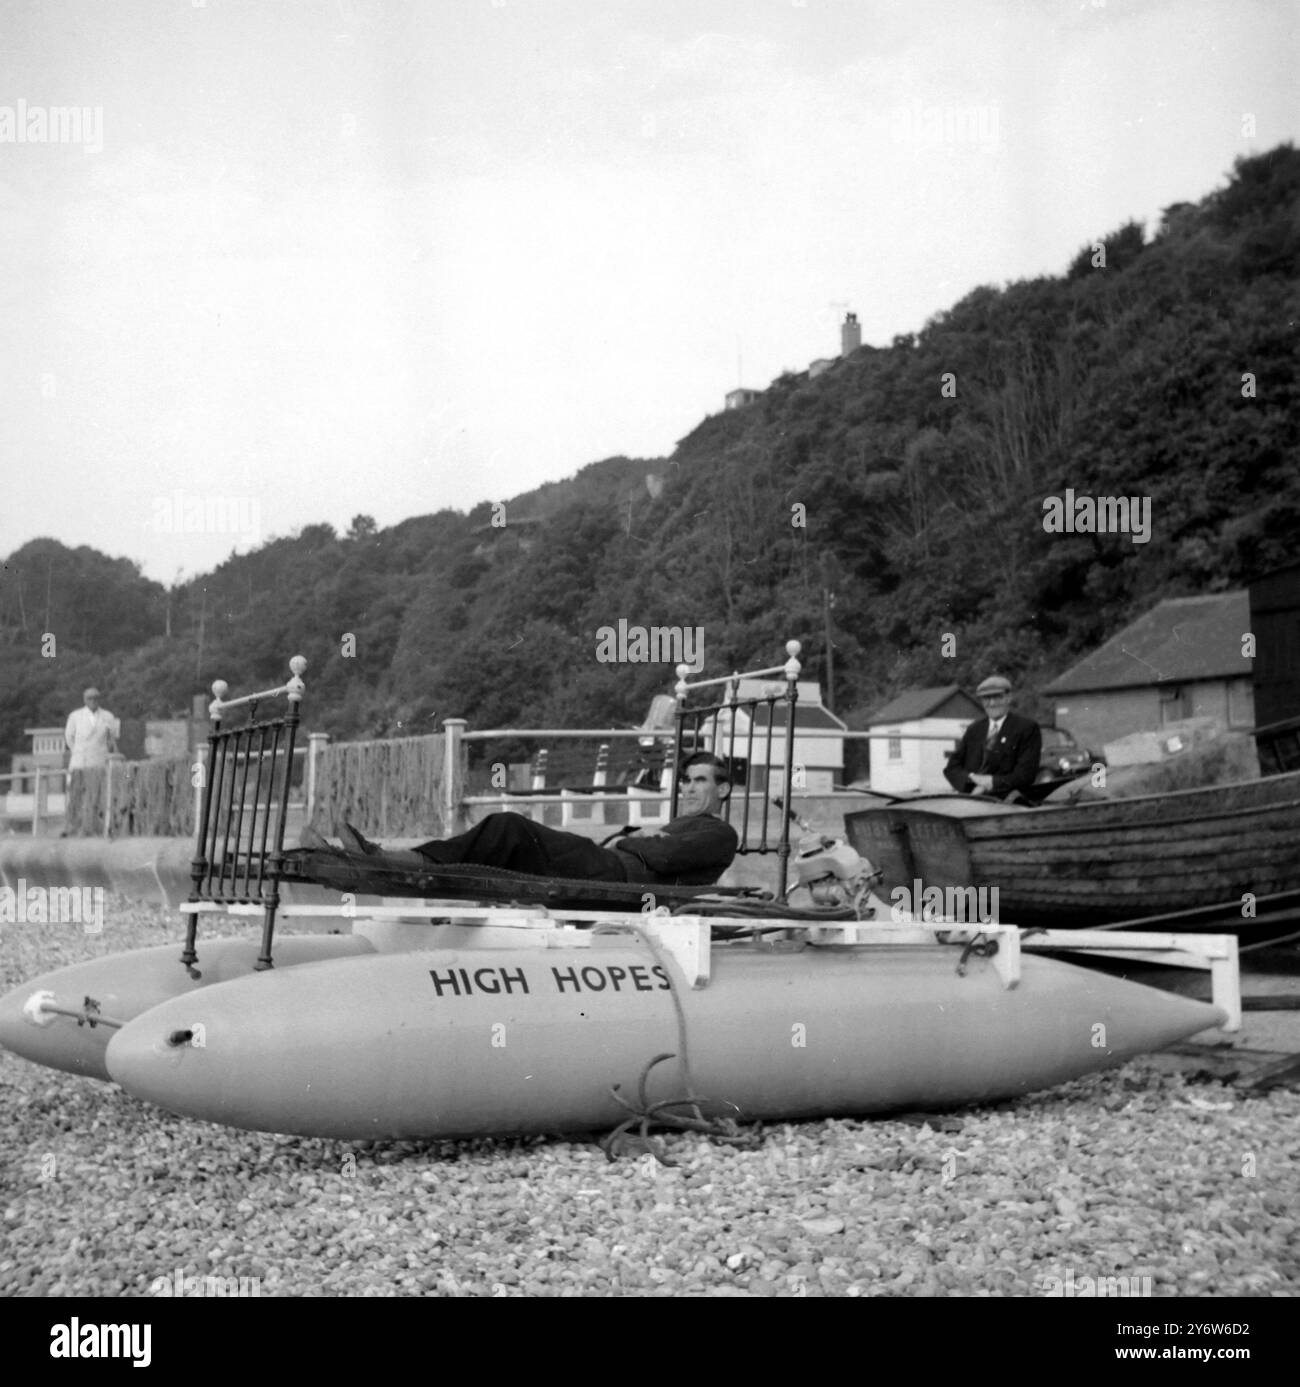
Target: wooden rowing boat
[(1220, 852)]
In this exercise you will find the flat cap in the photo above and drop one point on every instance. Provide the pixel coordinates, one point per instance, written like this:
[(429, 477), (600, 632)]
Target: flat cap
[(994, 684)]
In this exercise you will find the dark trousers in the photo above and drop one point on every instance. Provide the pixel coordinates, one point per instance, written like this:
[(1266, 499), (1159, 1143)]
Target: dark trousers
[(520, 844)]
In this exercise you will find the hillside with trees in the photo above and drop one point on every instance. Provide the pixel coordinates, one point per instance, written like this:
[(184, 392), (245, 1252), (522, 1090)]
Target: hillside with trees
[(908, 481)]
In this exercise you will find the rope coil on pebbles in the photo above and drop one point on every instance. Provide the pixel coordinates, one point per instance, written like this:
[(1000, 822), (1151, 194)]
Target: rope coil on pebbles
[(1133, 1173)]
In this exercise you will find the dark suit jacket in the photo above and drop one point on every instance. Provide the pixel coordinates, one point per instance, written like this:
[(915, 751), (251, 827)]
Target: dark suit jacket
[(1012, 761), (691, 850)]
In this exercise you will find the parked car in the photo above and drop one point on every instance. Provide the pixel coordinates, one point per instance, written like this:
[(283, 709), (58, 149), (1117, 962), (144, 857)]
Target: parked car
[(659, 736), (1062, 757)]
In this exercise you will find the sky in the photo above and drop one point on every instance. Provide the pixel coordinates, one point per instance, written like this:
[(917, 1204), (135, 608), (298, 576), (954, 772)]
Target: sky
[(295, 262)]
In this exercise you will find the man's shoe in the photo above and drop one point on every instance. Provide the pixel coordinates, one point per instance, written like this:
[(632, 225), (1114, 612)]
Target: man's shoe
[(354, 842)]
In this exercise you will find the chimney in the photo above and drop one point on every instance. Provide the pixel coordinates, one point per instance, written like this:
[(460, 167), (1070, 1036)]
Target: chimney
[(850, 334)]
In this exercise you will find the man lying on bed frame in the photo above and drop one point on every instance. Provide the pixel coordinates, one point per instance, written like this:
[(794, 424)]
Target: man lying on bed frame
[(694, 849)]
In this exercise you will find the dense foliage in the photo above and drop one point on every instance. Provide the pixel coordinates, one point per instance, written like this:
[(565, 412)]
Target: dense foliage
[(1169, 371)]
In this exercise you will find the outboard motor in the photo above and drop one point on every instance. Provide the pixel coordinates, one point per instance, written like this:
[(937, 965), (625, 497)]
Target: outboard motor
[(832, 871)]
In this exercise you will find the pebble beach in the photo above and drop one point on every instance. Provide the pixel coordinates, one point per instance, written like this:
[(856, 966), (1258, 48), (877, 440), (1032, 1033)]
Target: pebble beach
[(1158, 1180)]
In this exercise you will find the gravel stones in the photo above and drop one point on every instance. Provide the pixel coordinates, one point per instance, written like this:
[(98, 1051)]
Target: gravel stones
[(1136, 1173)]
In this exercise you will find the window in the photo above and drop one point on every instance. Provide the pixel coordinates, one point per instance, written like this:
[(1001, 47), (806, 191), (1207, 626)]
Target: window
[(1241, 703), (895, 747), (1173, 704)]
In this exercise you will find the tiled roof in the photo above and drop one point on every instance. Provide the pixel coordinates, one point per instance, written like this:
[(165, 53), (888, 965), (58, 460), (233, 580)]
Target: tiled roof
[(1179, 640), (806, 715), (914, 704)]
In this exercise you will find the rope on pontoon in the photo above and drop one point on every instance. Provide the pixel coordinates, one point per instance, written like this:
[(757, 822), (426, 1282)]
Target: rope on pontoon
[(645, 1114)]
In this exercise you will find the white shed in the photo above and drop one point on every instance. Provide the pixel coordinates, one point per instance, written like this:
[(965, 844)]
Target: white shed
[(909, 761), (818, 759)]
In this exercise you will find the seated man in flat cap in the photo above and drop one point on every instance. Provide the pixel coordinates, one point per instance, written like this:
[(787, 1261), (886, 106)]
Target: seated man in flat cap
[(998, 755)]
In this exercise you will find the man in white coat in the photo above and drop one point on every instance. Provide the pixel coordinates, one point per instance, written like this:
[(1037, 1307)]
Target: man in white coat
[(91, 734)]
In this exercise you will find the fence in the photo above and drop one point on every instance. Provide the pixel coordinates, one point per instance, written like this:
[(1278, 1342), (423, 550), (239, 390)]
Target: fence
[(122, 799), (398, 788), (42, 804), (391, 789), (403, 789), (642, 798), (131, 798), (599, 803)]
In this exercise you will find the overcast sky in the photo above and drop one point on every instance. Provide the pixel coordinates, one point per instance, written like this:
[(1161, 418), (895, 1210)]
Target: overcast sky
[(319, 257)]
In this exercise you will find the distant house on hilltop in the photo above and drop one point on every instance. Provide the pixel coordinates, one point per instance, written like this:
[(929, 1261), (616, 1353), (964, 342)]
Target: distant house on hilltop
[(850, 341), (741, 396), (1182, 659), (905, 764)]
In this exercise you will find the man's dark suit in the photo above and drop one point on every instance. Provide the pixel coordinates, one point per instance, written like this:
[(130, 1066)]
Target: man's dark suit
[(690, 850), (1012, 760)]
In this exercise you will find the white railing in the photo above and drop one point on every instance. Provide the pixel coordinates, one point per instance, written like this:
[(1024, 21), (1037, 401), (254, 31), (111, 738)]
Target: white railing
[(643, 806), (44, 802), (638, 801)]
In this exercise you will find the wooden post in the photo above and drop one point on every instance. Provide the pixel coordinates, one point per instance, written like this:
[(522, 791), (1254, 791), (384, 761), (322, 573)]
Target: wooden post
[(200, 762), (38, 792), (316, 744), (599, 779), (538, 811), (453, 751)]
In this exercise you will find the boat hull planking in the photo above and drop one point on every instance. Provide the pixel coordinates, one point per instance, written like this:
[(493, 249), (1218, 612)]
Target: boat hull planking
[(1107, 861)]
